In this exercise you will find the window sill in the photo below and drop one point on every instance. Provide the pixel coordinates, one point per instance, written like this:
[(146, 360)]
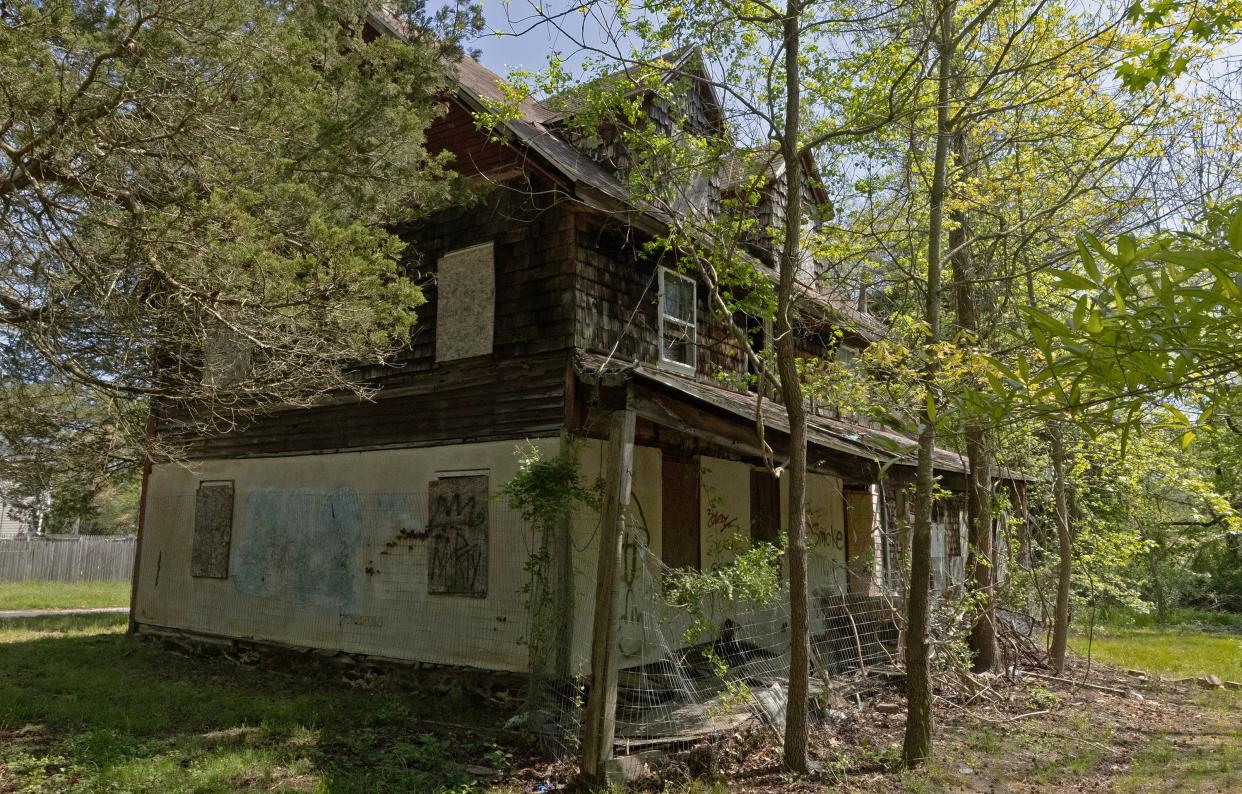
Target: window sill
[(677, 367)]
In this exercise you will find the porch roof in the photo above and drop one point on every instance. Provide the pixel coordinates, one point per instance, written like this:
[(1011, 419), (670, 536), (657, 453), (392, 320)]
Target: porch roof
[(878, 447)]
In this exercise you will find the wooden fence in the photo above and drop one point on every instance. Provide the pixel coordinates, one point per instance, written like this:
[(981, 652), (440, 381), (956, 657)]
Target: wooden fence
[(67, 558)]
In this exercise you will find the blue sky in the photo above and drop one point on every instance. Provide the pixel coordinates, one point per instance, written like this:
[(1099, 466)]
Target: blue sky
[(530, 49), (502, 53)]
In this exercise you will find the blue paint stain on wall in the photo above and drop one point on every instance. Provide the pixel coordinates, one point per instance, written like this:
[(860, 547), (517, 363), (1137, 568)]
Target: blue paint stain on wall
[(299, 546)]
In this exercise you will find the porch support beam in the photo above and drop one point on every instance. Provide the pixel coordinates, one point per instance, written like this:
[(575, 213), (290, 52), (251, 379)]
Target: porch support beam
[(599, 727)]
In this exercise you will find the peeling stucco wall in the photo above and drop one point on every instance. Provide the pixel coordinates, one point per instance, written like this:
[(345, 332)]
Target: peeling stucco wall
[(330, 551)]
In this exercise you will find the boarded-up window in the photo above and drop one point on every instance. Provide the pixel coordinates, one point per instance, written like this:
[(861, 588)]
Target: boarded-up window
[(765, 506), (860, 540), (680, 533), (213, 529), (457, 531), (465, 303), (948, 513)]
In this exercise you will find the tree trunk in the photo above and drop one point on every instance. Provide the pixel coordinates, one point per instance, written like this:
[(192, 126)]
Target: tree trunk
[(791, 391), (1060, 489), (979, 561), (917, 747)]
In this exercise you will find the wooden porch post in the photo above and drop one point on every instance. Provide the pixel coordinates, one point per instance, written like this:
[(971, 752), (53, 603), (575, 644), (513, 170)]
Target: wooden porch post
[(600, 723)]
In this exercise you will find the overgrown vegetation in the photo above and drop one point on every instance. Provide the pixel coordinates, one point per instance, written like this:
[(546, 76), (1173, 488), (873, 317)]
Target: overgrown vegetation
[(751, 578), (215, 180), (961, 170), (85, 708), (548, 491)]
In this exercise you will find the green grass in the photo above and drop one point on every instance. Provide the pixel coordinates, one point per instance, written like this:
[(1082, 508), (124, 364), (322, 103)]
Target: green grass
[(1167, 652), (84, 707), (1172, 761), (1214, 765), (58, 595), (1211, 762)]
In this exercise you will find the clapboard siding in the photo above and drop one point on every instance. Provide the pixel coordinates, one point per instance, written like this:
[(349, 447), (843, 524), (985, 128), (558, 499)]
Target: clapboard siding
[(511, 398)]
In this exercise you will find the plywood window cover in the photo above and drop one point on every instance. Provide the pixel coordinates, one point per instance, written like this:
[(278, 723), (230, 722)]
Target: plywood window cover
[(681, 543), (459, 535), (213, 529), (685, 326), (951, 520), (466, 302)]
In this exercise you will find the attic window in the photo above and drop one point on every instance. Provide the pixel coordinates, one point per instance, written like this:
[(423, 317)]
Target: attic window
[(678, 329)]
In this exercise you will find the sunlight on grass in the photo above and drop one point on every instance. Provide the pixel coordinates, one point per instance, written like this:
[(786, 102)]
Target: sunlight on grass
[(60, 595), (1172, 653), (1212, 763), (20, 630)]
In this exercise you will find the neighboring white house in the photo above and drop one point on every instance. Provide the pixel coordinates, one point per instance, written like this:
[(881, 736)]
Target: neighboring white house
[(15, 522)]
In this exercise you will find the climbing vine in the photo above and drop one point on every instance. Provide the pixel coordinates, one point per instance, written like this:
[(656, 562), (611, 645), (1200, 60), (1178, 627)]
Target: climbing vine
[(546, 491)]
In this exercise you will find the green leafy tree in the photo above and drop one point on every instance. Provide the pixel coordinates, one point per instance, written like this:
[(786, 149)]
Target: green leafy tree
[(1147, 324), (788, 77), (197, 202)]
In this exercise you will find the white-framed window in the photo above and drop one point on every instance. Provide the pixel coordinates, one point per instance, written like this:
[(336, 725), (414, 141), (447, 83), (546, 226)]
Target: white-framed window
[(678, 321)]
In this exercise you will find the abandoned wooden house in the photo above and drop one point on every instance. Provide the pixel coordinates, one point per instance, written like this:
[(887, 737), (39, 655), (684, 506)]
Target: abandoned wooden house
[(371, 527)]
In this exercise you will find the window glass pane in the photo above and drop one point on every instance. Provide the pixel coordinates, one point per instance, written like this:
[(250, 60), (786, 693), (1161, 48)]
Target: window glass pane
[(678, 343), (678, 297), (677, 318)]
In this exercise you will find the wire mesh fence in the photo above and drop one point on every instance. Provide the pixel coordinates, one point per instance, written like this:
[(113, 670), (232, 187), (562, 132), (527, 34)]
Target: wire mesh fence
[(697, 670), (71, 559)]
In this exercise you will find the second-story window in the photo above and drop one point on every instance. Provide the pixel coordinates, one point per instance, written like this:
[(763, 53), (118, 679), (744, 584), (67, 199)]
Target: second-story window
[(678, 327)]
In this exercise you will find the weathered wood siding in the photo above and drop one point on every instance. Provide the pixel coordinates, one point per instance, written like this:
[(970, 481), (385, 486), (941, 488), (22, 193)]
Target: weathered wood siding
[(516, 391), (473, 152), (617, 303)]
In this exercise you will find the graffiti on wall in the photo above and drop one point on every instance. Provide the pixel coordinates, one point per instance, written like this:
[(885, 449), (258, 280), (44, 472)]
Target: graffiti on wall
[(821, 533), (213, 529), (722, 531), (457, 528)]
